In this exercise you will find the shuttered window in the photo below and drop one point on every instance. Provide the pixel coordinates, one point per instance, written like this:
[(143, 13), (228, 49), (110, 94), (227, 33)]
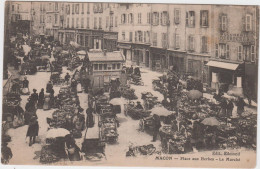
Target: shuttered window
[(253, 53), (177, 15), (204, 44), (239, 52)]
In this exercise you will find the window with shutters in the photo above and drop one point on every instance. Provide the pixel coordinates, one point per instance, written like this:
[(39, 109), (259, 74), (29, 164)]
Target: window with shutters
[(248, 22), (247, 53), (56, 6), (56, 18), (204, 18), (164, 18), (77, 23), (82, 8), (136, 35), (216, 51), (191, 43), (88, 11), (224, 51), (87, 22), (95, 66), (144, 37), (73, 8), (140, 36), (107, 22), (139, 18), (111, 21), (177, 16), (100, 66), (77, 8), (118, 66), (123, 18), (123, 35), (164, 40), (72, 24), (116, 21), (155, 18), (223, 23), (131, 18), (68, 9), (149, 17), (68, 22), (82, 22), (252, 53), (130, 36), (154, 39), (100, 23), (177, 41), (148, 36), (190, 19), (239, 52), (95, 23), (204, 44)]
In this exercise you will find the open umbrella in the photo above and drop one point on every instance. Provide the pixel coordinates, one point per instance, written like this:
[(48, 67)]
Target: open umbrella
[(45, 57), (65, 52), (57, 132), (160, 111), (117, 101), (81, 52), (74, 44), (194, 94), (210, 121)]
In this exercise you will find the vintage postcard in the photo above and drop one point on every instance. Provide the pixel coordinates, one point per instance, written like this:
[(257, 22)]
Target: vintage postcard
[(130, 84)]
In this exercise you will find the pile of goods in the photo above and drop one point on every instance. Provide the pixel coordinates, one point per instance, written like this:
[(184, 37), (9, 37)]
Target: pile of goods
[(141, 150), (135, 113), (128, 93), (109, 130), (47, 155), (56, 79), (159, 86), (149, 100), (74, 63), (136, 80), (69, 115)]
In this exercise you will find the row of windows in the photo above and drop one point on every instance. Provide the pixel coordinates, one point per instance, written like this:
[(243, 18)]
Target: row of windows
[(100, 67), (246, 53), (140, 36), (97, 22)]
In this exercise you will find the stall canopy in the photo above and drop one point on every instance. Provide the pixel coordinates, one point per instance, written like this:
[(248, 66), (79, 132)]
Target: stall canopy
[(223, 65)]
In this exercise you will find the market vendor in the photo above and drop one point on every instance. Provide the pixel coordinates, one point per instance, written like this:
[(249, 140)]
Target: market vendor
[(72, 148), (25, 85), (33, 130), (41, 99), (137, 71), (240, 106), (49, 86), (90, 117), (157, 126), (67, 78), (139, 106)]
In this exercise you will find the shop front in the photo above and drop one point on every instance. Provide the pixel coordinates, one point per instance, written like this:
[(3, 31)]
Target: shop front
[(126, 49), (158, 59), (177, 61), (97, 39), (141, 55), (110, 41), (226, 75)]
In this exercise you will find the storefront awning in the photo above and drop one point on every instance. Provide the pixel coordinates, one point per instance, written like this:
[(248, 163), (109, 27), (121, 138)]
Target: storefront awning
[(223, 65)]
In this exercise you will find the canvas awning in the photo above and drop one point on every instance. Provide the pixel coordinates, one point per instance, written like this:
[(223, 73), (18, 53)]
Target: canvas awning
[(223, 65)]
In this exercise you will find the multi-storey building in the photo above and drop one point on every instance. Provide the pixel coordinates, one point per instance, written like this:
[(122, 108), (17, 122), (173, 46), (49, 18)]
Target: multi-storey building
[(93, 25), (235, 38), (134, 33), (20, 17)]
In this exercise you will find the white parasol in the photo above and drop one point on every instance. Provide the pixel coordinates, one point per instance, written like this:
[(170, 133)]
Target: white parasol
[(117, 101), (160, 111), (57, 132)]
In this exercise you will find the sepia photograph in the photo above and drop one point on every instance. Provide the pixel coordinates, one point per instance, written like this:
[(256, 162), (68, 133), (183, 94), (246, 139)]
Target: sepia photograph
[(129, 84)]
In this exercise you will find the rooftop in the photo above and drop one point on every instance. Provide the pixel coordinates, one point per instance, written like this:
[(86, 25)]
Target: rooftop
[(98, 56)]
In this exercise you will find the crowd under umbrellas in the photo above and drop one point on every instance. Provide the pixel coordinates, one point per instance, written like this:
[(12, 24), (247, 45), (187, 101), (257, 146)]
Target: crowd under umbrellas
[(154, 114)]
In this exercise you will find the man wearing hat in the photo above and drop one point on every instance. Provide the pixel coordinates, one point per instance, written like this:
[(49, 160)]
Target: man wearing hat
[(139, 106), (25, 85), (34, 97), (33, 130), (6, 153)]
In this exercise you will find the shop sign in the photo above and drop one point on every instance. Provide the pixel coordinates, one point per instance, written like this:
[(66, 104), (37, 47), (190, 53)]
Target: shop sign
[(241, 38), (124, 46), (110, 36)]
